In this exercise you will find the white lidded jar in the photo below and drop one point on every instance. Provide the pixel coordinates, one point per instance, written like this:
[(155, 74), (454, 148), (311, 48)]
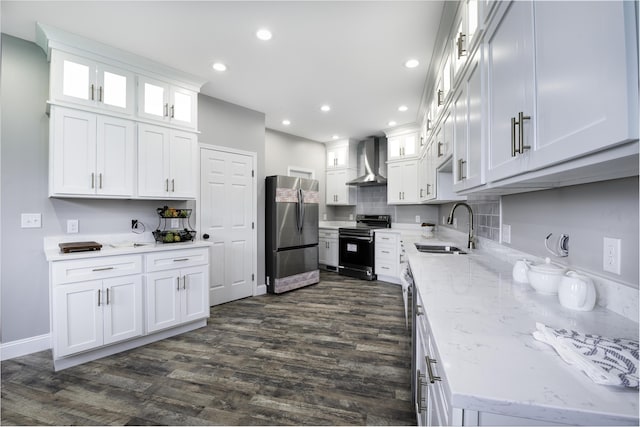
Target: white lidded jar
[(577, 292), (545, 278)]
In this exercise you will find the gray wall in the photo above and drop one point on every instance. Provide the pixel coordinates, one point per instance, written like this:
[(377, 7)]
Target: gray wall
[(588, 213), (486, 216), (230, 125), (24, 286), (283, 150)]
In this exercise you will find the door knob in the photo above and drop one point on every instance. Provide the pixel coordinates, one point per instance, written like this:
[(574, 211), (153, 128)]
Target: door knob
[(205, 236)]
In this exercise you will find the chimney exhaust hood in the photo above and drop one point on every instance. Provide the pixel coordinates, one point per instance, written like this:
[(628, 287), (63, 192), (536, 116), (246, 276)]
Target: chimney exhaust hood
[(371, 165)]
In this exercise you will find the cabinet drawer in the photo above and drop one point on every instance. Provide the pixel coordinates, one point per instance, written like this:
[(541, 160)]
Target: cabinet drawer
[(386, 268), (387, 253), (387, 238), (330, 234), (95, 268), (168, 260)]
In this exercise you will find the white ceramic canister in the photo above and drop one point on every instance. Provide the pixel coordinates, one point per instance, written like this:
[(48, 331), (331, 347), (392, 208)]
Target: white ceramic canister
[(519, 271), (546, 277), (577, 292)]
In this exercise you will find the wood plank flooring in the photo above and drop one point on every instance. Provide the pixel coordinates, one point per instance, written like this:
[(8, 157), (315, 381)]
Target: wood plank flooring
[(335, 353)]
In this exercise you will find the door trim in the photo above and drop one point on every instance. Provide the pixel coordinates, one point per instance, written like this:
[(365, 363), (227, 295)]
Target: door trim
[(258, 289)]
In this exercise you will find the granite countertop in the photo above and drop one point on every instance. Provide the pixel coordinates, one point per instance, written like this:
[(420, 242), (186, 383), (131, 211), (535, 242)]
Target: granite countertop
[(114, 244), (482, 322)]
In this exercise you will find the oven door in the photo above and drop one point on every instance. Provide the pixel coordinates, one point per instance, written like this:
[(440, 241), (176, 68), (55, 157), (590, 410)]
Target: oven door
[(356, 252)]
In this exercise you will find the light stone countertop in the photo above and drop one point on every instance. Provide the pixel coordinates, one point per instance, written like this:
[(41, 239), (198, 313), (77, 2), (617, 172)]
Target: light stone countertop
[(114, 244), (482, 322)]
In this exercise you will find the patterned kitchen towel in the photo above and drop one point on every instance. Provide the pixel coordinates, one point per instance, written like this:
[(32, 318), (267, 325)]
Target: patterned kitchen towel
[(608, 361)]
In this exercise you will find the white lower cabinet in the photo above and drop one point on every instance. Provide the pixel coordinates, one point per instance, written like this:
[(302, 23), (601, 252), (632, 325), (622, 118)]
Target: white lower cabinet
[(92, 313), (387, 256), (177, 288), (98, 304), (328, 248)]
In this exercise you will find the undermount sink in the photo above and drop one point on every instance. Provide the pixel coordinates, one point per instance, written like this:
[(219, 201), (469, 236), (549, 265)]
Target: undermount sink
[(439, 249)]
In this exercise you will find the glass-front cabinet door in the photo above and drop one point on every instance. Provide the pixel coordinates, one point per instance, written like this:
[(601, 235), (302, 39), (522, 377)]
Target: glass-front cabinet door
[(83, 81)]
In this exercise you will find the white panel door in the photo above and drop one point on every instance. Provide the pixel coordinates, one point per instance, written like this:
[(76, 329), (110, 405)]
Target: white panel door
[(74, 152), (78, 316), (227, 217), (115, 163), (163, 300), (194, 298), (122, 308), (394, 182)]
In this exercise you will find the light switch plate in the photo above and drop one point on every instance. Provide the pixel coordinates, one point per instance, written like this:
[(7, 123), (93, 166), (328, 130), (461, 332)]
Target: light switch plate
[(418, 219), (31, 220)]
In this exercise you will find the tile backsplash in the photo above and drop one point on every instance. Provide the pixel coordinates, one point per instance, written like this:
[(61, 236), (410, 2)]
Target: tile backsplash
[(486, 216)]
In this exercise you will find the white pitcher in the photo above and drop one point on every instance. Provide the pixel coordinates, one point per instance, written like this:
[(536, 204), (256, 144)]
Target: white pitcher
[(577, 292)]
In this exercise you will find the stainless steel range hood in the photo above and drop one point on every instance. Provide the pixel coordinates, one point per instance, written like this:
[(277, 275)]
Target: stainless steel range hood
[(371, 165)]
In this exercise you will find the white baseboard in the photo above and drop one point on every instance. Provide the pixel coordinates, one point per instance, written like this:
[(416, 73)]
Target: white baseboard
[(25, 346)]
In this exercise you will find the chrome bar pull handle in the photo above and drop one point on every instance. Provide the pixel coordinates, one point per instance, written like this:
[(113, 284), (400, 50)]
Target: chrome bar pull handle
[(513, 137), (521, 119), (180, 259), (461, 175), (172, 111), (419, 311), (166, 110), (100, 180), (178, 280), (107, 296), (100, 94), (99, 297), (166, 184), (93, 92), (428, 189), (461, 50), (93, 180), (184, 282), (103, 269), (173, 185), (432, 378), (420, 398), (440, 154), (440, 97)]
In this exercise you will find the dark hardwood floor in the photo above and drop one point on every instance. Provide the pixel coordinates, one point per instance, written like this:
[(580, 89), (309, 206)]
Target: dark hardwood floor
[(335, 353)]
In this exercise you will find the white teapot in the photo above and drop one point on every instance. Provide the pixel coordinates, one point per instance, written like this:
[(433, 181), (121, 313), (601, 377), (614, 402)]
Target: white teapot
[(577, 292)]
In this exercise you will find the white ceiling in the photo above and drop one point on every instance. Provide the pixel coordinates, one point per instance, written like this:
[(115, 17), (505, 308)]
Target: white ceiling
[(349, 55)]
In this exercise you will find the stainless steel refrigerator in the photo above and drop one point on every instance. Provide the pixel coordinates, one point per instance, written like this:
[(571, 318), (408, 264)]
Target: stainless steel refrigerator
[(292, 233)]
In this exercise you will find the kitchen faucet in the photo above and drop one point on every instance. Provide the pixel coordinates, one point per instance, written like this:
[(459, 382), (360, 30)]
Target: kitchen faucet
[(472, 240)]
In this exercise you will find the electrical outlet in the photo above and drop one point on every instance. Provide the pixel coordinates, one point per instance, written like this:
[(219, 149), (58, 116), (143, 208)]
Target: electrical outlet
[(506, 233), (444, 220), (324, 216), (418, 219), (350, 217), (455, 222), (31, 220), (611, 255), (175, 223), (72, 226)]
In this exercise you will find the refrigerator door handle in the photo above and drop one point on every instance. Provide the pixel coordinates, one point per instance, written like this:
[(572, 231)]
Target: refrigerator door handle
[(301, 201)]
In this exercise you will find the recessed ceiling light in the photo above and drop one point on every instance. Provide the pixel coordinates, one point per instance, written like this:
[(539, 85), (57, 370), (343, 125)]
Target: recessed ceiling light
[(264, 34), (325, 108), (219, 66), (335, 137), (403, 108), (392, 123), (412, 63), (286, 122)]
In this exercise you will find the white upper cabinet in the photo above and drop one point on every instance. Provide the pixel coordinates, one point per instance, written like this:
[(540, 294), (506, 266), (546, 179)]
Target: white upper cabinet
[(466, 35), (402, 182), (91, 154), (338, 193), (583, 98), (546, 106), (158, 100), (510, 68), (468, 128), (404, 143), (93, 84), (165, 163), (341, 154)]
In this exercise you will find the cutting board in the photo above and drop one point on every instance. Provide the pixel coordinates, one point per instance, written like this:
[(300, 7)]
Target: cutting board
[(79, 247)]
